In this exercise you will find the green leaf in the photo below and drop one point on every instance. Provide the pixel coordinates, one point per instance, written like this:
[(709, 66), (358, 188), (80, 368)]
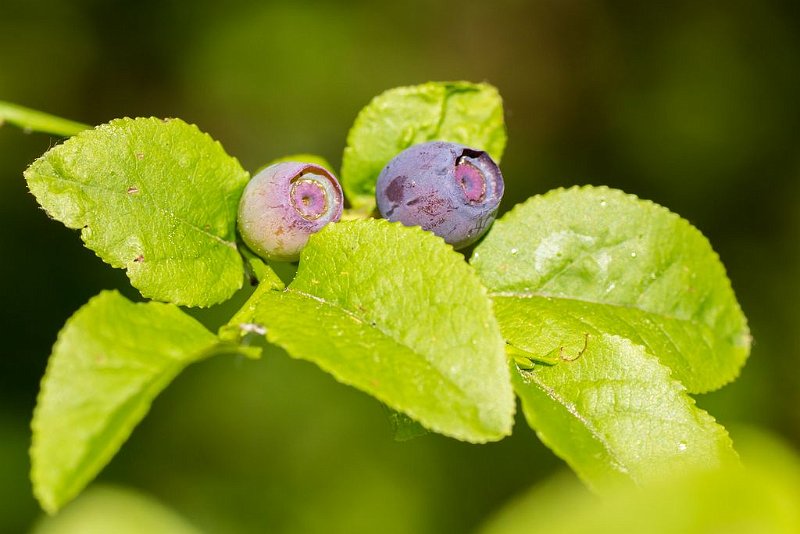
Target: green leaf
[(598, 261), (37, 121), (395, 312), (762, 497), (614, 413), (461, 112), (156, 197), (118, 510), (621, 297), (110, 361)]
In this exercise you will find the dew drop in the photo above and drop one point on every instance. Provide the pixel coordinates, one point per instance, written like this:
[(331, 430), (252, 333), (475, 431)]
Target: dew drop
[(514, 251), (681, 446), (633, 254), (603, 203)]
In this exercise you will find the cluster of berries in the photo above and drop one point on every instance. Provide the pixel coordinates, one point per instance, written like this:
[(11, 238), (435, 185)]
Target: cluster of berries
[(446, 188)]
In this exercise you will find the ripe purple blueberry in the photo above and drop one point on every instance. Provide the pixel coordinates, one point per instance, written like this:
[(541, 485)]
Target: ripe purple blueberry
[(284, 204), (452, 190)]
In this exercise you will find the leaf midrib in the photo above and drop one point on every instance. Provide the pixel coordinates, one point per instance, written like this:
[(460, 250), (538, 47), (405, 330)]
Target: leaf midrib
[(531, 294), (147, 200), (571, 409), (382, 331), (662, 317)]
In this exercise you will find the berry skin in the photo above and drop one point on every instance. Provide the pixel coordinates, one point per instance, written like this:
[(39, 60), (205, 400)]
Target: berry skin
[(284, 204), (452, 190)]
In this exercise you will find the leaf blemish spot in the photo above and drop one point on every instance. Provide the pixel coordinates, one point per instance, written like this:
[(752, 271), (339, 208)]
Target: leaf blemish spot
[(139, 155), (138, 259), (133, 190)]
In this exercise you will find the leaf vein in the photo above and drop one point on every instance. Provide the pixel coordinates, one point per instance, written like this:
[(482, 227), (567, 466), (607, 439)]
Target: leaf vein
[(388, 334), (573, 410), (152, 204)]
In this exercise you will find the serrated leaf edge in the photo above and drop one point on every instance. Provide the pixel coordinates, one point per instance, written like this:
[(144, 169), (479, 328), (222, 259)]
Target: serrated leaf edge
[(746, 340), (85, 230), (529, 377), (49, 502), (390, 402)]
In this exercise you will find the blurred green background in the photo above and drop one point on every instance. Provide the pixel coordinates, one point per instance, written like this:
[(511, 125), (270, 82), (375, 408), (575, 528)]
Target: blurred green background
[(693, 105)]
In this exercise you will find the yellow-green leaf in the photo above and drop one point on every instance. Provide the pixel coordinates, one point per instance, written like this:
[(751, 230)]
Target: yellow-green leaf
[(155, 197)]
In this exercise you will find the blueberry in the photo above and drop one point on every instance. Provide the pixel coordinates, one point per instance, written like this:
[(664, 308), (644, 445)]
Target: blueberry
[(447, 188), (284, 204)]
